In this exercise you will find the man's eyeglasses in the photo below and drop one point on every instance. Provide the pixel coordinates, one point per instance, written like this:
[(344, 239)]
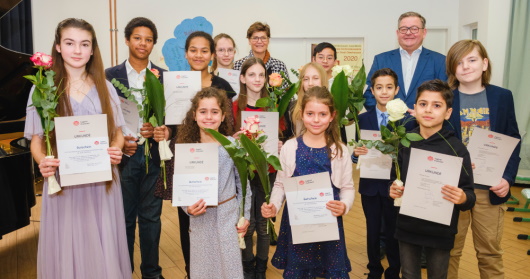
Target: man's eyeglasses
[(413, 29), (256, 39)]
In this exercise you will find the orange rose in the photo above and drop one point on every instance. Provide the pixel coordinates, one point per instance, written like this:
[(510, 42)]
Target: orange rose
[(275, 80)]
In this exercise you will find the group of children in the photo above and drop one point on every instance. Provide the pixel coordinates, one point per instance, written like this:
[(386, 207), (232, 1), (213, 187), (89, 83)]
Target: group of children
[(69, 229)]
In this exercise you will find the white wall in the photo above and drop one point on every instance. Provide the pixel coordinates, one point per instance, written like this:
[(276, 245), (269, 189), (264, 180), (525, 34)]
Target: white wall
[(492, 17), (375, 21)]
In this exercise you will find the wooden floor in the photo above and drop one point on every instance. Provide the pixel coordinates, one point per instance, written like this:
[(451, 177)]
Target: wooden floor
[(18, 249)]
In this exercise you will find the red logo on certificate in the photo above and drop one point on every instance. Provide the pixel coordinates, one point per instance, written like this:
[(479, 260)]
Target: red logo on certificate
[(207, 178), (430, 158), (490, 136), (192, 150), (96, 142), (76, 123), (321, 194), (301, 182)]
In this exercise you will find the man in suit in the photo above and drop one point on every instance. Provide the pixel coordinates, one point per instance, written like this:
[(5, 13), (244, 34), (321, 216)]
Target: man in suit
[(138, 186), (412, 62)]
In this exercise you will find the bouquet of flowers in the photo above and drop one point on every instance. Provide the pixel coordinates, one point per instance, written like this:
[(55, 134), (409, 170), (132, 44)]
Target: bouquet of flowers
[(45, 99), (349, 99), (281, 91), (152, 110), (391, 139), (249, 156)]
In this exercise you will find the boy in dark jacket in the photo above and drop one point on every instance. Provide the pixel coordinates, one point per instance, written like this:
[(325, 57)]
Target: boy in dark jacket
[(433, 106)]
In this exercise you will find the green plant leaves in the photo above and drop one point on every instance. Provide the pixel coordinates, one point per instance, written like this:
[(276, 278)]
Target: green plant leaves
[(414, 136), (155, 94), (286, 99)]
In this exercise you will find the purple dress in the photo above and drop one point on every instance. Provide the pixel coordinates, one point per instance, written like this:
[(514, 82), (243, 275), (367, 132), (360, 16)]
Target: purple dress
[(82, 228), (327, 259)]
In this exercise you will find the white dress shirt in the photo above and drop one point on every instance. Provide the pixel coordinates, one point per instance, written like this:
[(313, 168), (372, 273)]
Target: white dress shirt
[(408, 65)]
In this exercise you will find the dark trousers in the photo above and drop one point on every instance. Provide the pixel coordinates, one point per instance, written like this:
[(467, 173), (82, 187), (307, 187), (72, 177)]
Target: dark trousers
[(378, 208), (258, 224), (139, 202), (437, 261)]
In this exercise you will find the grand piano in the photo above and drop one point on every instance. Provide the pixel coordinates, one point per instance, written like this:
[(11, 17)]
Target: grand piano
[(17, 194)]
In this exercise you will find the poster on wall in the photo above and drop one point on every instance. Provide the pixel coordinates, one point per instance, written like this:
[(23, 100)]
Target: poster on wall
[(348, 54)]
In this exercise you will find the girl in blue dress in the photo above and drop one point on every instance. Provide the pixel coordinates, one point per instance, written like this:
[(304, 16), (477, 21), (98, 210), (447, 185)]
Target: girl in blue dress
[(318, 149)]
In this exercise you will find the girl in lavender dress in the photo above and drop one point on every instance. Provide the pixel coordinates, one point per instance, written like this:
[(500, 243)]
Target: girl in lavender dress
[(318, 149), (82, 231)]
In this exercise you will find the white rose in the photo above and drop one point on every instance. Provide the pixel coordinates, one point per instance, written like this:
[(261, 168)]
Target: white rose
[(396, 109), (336, 70), (348, 70)]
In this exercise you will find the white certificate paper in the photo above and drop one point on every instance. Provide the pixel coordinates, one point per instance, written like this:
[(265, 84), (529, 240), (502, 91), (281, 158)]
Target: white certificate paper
[(82, 143), (196, 173), (269, 123), (179, 88), (428, 171), (375, 165), (307, 196), (490, 152), (232, 76), (131, 116)]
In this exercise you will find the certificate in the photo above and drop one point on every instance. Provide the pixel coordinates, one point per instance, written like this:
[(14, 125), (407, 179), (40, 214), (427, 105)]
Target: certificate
[(196, 173), (490, 152), (310, 220), (269, 122), (428, 171), (82, 143), (179, 88), (375, 164), (131, 116), (232, 76)]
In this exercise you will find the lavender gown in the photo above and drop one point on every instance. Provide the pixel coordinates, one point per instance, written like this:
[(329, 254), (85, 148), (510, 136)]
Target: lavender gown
[(82, 229)]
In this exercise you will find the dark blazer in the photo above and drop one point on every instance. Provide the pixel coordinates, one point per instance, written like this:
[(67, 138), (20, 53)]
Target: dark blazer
[(502, 120), (431, 65), (368, 186), (119, 72)]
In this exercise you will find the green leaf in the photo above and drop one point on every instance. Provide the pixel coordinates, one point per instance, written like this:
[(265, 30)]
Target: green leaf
[(369, 144), (340, 92), (414, 136), (405, 142), (344, 121), (401, 131), (155, 96), (286, 98), (385, 133), (274, 162), (262, 102), (257, 156)]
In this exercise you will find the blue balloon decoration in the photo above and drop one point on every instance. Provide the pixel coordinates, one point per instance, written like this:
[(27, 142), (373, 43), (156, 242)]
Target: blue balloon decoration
[(173, 49)]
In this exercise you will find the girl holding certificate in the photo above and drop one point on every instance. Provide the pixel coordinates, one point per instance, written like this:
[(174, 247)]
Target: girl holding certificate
[(252, 87), (82, 231), (317, 150), (214, 251), (477, 103), (199, 52), (312, 74)]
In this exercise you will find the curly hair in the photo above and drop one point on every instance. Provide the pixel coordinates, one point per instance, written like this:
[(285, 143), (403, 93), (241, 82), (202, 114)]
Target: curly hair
[(189, 131)]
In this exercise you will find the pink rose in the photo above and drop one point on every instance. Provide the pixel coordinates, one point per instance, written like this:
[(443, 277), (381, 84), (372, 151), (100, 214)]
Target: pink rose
[(155, 72), (252, 124), (42, 60), (275, 80)]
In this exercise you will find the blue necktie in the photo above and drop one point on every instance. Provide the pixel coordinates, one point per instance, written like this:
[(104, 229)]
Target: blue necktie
[(384, 120)]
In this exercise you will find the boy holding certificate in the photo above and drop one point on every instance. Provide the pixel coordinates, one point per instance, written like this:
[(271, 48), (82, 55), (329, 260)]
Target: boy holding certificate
[(433, 106), (374, 192), (483, 105), (139, 200)]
